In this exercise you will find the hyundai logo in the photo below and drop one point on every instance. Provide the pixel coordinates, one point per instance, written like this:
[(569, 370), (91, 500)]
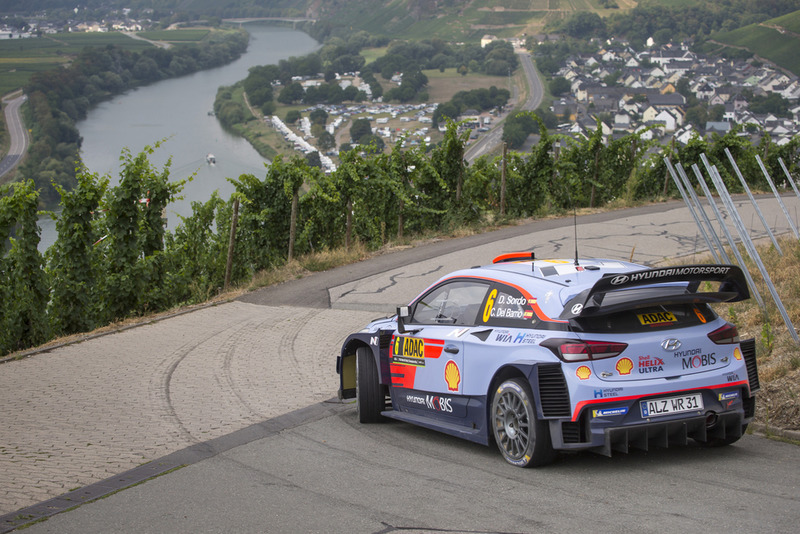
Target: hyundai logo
[(621, 279), (671, 344)]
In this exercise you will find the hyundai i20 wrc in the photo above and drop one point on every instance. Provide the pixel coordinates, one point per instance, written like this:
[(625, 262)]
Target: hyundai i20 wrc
[(542, 356)]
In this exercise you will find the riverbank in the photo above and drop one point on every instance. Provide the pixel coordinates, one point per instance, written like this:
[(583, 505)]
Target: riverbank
[(391, 121), (58, 99)]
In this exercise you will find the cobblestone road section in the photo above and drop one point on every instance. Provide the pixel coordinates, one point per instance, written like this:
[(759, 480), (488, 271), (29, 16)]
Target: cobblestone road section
[(80, 414)]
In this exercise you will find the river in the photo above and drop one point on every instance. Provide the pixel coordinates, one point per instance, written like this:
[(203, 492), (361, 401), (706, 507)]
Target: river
[(177, 109)]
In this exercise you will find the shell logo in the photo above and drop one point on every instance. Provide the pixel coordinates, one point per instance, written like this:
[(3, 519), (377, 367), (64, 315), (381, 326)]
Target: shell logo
[(452, 375), (583, 372), (624, 366), (737, 353)]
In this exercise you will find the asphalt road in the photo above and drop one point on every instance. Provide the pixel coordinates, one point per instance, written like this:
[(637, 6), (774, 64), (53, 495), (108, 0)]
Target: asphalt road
[(334, 475), (19, 137), (487, 142), (237, 394)]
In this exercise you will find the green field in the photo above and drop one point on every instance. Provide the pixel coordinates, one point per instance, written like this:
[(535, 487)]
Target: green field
[(176, 36), (20, 58), (371, 54), (790, 22), (768, 43)]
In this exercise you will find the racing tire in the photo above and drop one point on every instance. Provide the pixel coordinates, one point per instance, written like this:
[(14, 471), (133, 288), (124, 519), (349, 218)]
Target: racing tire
[(370, 398), (523, 440)]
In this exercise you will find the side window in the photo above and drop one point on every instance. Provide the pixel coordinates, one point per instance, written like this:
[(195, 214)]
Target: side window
[(451, 303), (506, 306)]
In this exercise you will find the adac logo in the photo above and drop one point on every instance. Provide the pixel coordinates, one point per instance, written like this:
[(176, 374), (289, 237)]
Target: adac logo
[(624, 366), (409, 346), (408, 351), (737, 353), (621, 279), (452, 375), (583, 372)]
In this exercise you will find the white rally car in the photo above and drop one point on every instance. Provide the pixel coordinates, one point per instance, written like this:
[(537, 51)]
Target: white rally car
[(547, 355)]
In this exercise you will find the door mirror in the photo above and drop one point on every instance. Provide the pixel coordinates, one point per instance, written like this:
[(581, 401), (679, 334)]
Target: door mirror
[(402, 314)]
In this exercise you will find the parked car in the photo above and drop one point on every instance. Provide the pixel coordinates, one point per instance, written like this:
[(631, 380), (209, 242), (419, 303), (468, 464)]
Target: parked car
[(542, 356)]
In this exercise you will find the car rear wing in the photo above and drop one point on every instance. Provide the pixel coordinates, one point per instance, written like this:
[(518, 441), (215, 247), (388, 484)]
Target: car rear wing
[(649, 287)]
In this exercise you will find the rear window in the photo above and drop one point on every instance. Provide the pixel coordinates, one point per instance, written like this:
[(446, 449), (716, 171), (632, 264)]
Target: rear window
[(647, 319)]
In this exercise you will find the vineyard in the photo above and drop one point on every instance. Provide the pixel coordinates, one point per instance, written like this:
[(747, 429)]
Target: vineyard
[(114, 259)]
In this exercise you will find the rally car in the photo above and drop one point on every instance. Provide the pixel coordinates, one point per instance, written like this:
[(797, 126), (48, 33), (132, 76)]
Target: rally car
[(547, 355)]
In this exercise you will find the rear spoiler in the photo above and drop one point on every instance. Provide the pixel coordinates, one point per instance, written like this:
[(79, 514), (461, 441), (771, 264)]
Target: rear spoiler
[(609, 295)]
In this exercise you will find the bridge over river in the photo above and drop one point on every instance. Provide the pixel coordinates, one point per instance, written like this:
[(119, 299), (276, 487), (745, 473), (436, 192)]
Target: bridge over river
[(245, 20)]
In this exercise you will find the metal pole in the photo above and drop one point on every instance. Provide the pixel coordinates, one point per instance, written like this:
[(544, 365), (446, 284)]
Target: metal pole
[(789, 177), (688, 184), (778, 197), (691, 208), (729, 237), (723, 192), (503, 182), (231, 244), (753, 201)]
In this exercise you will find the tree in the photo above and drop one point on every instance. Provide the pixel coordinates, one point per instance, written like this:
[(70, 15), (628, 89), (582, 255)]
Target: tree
[(326, 141), (585, 24), (359, 129), (291, 93), (559, 86), (313, 159), (318, 116), (292, 116)]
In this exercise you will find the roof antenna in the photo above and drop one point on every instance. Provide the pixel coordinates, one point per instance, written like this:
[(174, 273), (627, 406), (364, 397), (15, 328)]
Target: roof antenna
[(575, 227)]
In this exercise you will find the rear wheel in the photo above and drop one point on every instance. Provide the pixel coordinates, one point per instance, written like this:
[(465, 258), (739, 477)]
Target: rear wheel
[(370, 399), (523, 440)]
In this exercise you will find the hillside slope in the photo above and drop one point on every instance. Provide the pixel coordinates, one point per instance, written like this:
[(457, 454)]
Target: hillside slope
[(775, 40)]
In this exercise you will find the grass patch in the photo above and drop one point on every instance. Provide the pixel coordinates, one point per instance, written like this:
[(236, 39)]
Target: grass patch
[(371, 54), (5, 139), (304, 265), (443, 85)]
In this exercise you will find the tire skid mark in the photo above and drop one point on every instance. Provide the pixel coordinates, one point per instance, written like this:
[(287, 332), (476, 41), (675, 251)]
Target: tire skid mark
[(231, 383), (164, 393), (288, 346), (393, 281)]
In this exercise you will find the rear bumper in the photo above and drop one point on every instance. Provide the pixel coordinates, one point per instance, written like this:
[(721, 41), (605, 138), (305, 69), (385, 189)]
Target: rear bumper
[(604, 434), (670, 433)]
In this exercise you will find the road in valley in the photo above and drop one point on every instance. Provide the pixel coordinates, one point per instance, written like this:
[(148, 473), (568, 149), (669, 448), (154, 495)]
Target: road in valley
[(489, 141), (17, 132), (243, 393)]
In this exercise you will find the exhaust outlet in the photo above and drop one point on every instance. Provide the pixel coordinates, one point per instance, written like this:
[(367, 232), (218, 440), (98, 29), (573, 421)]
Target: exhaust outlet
[(711, 419)]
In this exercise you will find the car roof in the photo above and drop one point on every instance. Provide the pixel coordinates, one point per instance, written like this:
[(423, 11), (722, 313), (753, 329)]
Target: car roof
[(603, 286), (555, 273), (559, 278)]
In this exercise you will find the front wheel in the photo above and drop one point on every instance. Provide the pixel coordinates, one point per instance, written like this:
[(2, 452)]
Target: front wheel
[(523, 440), (370, 398)]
